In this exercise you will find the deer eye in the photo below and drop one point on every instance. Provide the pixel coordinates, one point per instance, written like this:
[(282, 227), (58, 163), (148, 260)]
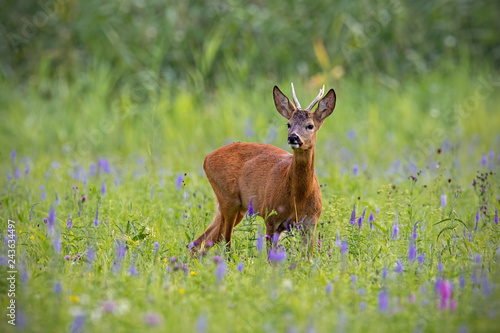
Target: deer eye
[(310, 127), (288, 125)]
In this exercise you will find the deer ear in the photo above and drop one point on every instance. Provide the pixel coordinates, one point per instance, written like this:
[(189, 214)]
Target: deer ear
[(325, 106), (283, 104)]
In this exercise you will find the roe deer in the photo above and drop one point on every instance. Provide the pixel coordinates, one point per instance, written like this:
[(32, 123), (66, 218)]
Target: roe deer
[(273, 178)]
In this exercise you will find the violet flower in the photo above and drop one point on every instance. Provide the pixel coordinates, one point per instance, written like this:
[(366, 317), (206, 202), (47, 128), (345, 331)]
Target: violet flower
[(395, 229), (220, 271), (443, 198), (383, 302), (337, 239), (353, 215), (250, 207), (361, 218)]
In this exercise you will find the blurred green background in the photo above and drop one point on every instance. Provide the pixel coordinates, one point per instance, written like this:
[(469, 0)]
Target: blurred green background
[(178, 79)]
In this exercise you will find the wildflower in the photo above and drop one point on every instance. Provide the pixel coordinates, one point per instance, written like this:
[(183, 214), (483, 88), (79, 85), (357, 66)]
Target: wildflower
[(201, 324), (96, 221), (217, 259), (362, 306), (157, 245), (383, 301), (328, 288), (104, 165), (412, 252), (486, 287), (193, 273), (250, 207), (132, 269), (385, 273), (179, 181), (421, 258), (395, 229), (57, 243), (83, 199), (43, 194), (371, 218), (67, 257), (92, 169), (57, 287), (484, 160), (461, 281), (344, 248), (353, 215), (355, 169), (51, 219), (377, 209), (440, 265), (103, 188), (240, 267), (57, 200), (353, 278), (444, 289), (78, 323), (443, 198), (13, 155), (277, 255), (415, 231), (260, 242), (496, 215), (337, 239), (220, 271), (399, 267), (361, 218), (478, 259), (153, 318)]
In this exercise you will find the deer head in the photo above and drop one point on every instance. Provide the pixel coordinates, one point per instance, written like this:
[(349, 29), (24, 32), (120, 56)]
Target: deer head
[(304, 124)]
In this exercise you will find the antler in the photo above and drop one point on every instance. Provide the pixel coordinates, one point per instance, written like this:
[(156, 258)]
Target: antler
[(321, 92), (297, 104)]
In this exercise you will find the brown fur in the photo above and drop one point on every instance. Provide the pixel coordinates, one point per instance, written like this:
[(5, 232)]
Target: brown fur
[(274, 178)]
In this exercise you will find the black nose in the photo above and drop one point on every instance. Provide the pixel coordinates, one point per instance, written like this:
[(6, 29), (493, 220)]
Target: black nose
[(293, 139)]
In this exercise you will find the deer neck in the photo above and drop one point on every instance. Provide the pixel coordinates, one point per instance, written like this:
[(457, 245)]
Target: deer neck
[(301, 173)]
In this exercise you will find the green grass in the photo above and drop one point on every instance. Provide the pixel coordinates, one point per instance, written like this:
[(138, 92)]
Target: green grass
[(152, 134)]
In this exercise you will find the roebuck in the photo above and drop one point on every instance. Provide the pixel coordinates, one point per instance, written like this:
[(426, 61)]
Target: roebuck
[(273, 178)]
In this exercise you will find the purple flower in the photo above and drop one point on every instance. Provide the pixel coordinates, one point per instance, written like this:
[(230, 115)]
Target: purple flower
[(461, 281), (57, 287), (486, 286), (385, 273), (328, 288), (67, 257), (362, 306), (353, 278), (9, 176), (201, 324), (120, 251), (443, 198), (250, 207), (353, 215), (217, 259), (275, 238), (78, 323), (377, 209), (371, 218), (157, 245), (17, 173), (260, 242), (220, 271), (51, 219), (92, 169), (57, 243), (153, 318), (421, 258), (395, 229), (277, 255), (27, 171), (412, 252), (13, 155), (43, 194), (355, 169), (344, 248), (96, 221), (415, 230), (383, 302), (337, 239), (103, 188), (444, 289), (496, 215), (478, 216), (361, 218), (104, 165), (132, 269), (240, 267), (179, 181), (399, 267), (90, 255), (484, 160), (478, 259), (440, 266)]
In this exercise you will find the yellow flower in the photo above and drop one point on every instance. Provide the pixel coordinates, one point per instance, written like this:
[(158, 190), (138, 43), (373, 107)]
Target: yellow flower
[(182, 291), (164, 259), (194, 273), (90, 275), (32, 237), (19, 230), (73, 298)]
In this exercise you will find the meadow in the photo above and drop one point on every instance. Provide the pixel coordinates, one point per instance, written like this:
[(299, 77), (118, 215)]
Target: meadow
[(103, 137)]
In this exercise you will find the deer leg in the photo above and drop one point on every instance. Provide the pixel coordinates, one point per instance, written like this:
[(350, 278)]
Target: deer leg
[(231, 220), (212, 232)]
